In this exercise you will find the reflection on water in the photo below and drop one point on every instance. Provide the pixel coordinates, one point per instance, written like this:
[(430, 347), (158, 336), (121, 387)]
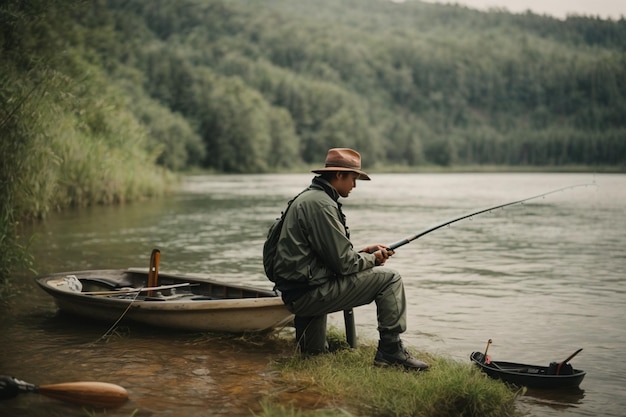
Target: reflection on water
[(164, 372), (559, 400), (540, 279)]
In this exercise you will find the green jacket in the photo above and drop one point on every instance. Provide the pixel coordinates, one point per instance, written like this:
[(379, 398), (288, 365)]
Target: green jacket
[(314, 244)]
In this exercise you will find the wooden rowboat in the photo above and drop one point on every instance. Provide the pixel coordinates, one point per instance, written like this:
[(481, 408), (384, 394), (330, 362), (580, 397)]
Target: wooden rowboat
[(177, 301), (530, 376)]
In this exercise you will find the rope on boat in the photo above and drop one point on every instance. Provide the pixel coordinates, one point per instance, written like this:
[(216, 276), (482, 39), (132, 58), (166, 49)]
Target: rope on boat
[(109, 332)]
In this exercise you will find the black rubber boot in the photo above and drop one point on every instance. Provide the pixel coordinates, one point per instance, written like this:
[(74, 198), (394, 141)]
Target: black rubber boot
[(395, 354), (311, 335)]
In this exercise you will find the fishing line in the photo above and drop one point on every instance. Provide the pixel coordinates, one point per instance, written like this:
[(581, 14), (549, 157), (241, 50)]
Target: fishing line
[(409, 239), (108, 333)]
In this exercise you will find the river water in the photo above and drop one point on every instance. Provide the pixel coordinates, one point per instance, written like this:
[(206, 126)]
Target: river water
[(540, 279)]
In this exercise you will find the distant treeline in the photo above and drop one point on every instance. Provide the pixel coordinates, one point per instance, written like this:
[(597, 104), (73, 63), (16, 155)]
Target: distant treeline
[(241, 86), (100, 99), (264, 85)]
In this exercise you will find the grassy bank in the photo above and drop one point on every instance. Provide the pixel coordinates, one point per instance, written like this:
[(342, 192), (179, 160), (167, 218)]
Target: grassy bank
[(346, 383)]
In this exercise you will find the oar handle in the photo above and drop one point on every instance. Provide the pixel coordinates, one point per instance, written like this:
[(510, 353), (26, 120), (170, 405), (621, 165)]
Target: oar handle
[(91, 393), (10, 387), (153, 273), (489, 342), (560, 365), (572, 355)]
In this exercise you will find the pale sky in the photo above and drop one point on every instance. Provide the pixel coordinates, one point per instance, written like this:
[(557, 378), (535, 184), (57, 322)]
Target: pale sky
[(606, 9)]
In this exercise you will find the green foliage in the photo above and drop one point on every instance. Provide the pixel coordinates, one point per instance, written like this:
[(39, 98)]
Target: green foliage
[(169, 134), (236, 127), (67, 139), (410, 83), (241, 86)]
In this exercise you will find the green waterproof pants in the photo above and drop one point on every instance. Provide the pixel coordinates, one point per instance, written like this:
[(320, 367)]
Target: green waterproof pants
[(382, 285)]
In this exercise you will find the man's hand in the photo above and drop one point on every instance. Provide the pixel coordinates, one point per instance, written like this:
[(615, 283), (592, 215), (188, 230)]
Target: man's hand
[(381, 252)]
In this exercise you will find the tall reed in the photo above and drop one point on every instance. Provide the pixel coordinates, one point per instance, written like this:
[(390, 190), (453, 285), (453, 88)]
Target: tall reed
[(66, 143)]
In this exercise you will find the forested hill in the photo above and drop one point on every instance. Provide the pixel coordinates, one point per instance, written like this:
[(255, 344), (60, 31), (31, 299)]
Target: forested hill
[(97, 97), (256, 86)]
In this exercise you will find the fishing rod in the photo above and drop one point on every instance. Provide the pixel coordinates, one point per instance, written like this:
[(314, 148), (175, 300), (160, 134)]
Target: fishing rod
[(409, 239)]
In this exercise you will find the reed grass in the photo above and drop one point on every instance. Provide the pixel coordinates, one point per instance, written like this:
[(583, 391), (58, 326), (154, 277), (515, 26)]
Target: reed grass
[(66, 143)]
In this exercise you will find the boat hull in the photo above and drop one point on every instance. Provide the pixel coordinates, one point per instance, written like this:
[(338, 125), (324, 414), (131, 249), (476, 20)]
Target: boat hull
[(530, 376), (196, 304)]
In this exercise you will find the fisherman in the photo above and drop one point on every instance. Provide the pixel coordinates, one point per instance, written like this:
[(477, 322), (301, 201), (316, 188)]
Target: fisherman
[(317, 270)]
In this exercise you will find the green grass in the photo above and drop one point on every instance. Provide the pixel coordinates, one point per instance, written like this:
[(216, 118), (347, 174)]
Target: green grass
[(350, 385)]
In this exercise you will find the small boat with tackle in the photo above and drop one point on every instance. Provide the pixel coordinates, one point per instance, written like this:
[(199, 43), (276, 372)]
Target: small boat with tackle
[(558, 375), (175, 301)]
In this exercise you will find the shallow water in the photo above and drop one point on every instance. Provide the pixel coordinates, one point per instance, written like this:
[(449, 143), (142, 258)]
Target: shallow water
[(541, 279)]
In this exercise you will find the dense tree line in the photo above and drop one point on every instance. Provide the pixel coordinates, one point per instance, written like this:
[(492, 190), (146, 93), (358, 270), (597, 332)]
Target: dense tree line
[(267, 84)]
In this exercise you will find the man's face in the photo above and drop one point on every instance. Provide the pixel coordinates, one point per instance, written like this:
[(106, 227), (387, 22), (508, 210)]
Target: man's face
[(345, 182)]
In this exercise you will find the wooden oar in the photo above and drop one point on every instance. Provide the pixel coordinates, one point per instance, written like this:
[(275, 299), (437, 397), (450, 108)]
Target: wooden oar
[(94, 394), (558, 368), (486, 349), (153, 274)]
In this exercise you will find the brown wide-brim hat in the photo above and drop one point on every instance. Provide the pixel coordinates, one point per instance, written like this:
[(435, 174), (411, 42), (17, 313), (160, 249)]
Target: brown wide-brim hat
[(343, 159)]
